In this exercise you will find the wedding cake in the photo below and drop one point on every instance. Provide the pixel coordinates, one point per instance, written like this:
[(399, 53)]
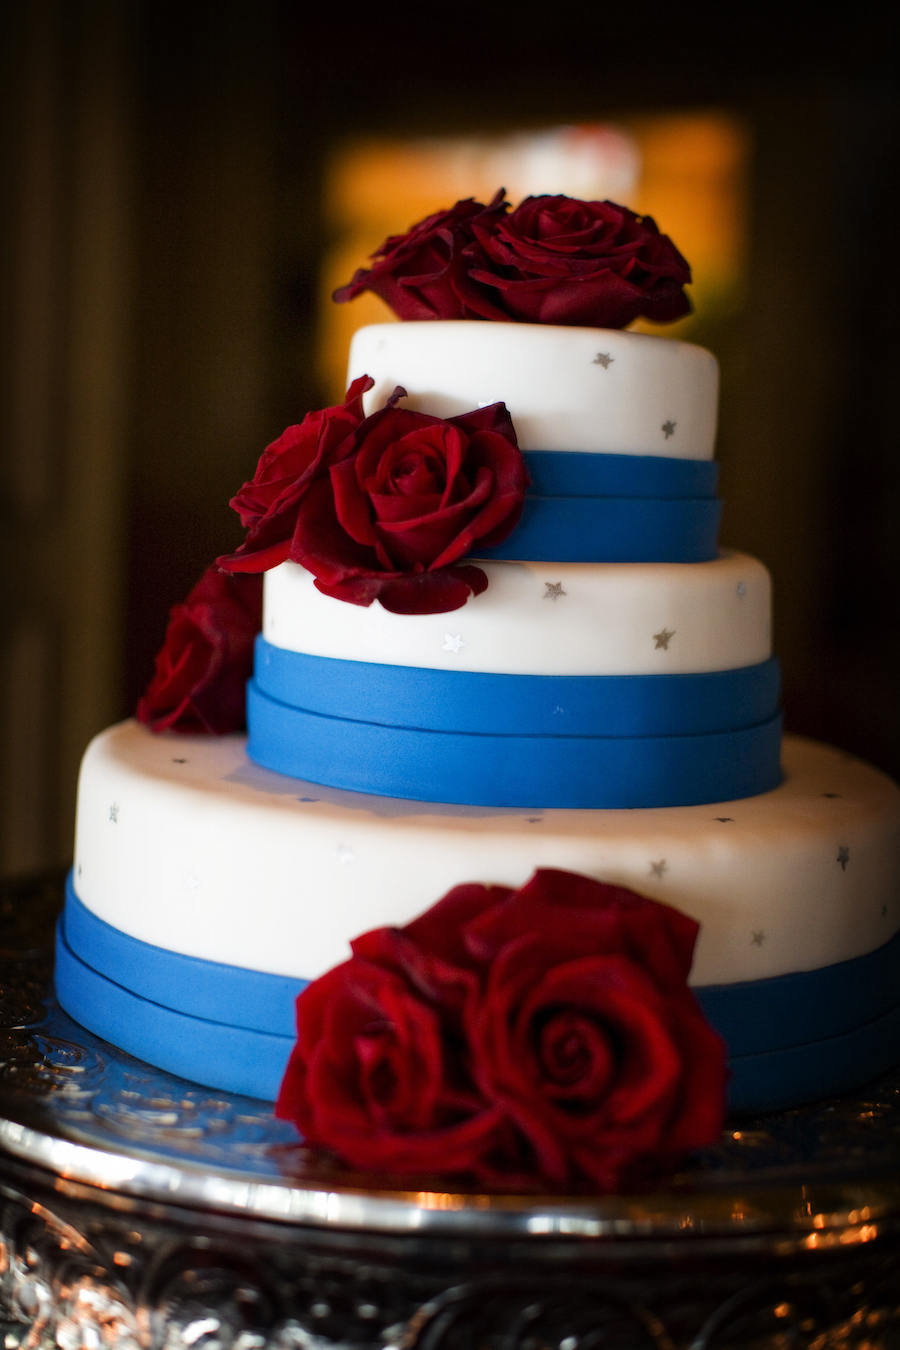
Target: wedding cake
[(602, 700)]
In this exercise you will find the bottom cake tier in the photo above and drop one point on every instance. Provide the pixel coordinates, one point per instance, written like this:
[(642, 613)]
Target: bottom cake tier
[(207, 892)]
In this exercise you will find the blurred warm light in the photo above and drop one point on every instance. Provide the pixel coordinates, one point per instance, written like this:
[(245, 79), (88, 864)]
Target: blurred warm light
[(388, 181), (687, 171), (694, 184)]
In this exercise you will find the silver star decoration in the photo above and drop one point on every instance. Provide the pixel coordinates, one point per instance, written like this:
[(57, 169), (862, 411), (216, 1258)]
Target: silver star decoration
[(603, 359), (452, 644), (556, 710), (741, 589), (757, 939), (658, 869), (191, 882), (345, 854), (663, 639), (843, 857), (114, 813), (554, 590), (668, 428)]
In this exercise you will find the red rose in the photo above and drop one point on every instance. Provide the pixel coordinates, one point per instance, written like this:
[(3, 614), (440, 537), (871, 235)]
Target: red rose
[(423, 275), (207, 658), (544, 1036), (416, 494), (557, 260), (551, 260), (587, 1032), (379, 1072), (268, 504)]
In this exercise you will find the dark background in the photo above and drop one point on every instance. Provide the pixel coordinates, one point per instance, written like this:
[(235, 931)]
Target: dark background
[(162, 234)]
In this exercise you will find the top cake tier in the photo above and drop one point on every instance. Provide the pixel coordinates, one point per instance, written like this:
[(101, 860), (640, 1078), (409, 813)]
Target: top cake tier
[(590, 389)]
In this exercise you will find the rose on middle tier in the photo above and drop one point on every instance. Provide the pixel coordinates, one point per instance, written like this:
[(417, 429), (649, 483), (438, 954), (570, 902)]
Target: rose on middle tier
[(389, 512)]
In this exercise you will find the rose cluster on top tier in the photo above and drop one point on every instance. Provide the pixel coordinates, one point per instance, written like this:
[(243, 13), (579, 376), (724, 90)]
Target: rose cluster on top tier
[(551, 260)]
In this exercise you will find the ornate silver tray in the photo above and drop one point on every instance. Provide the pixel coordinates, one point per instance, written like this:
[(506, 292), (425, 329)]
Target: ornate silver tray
[(140, 1209)]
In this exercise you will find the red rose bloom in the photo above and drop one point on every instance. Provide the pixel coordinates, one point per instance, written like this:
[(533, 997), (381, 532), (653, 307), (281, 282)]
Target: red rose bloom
[(416, 494), (557, 260), (207, 658), (551, 260), (587, 1032), (544, 1036), (380, 1070), (268, 504), (384, 506), (423, 275)]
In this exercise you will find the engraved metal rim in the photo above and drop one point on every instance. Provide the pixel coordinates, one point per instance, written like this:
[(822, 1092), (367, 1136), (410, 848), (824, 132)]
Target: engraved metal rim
[(817, 1215)]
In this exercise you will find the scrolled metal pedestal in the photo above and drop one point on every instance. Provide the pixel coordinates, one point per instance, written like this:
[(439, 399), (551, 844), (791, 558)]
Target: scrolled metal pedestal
[(139, 1211)]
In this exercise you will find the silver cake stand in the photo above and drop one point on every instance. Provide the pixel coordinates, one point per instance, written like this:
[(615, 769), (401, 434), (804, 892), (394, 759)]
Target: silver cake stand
[(141, 1211)]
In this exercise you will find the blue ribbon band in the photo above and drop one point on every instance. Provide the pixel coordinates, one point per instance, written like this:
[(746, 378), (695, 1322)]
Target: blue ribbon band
[(531, 771), (585, 507), (246, 999), (576, 473), (760, 1016), (225, 1058), (613, 530), (791, 1039), (519, 705)]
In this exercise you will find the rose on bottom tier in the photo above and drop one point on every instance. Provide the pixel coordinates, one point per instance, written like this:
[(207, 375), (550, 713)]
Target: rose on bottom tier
[(545, 1035)]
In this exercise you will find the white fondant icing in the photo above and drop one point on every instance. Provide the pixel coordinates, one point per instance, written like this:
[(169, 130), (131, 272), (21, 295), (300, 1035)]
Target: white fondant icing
[(560, 397), (604, 622), (292, 871)]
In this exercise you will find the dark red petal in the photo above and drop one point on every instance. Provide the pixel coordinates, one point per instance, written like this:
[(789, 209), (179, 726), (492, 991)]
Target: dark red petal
[(495, 417), (207, 657), (351, 504), (432, 592), (268, 504), (262, 560), (441, 928)]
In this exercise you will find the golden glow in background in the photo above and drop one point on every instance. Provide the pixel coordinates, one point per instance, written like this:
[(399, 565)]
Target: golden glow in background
[(688, 171)]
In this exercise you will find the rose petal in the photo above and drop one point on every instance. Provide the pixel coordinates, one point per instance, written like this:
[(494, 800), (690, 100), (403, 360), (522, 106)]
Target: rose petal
[(268, 504), (199, 684), (423, 275)]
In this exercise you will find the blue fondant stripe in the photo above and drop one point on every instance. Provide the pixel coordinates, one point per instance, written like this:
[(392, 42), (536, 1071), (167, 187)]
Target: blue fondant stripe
[(229, 1059), (791, 1038), (577, 473), (523, 705), (779, 1079), (244, 998), (761, 1016), (531, 771), (614, 529)]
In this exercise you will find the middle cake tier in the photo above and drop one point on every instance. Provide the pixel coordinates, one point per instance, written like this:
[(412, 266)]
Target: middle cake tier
[(562, 685)]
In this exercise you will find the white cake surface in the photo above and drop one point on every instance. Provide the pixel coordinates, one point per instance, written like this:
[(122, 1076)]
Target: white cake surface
[(607, 620), (184, 843), (593, 389)]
